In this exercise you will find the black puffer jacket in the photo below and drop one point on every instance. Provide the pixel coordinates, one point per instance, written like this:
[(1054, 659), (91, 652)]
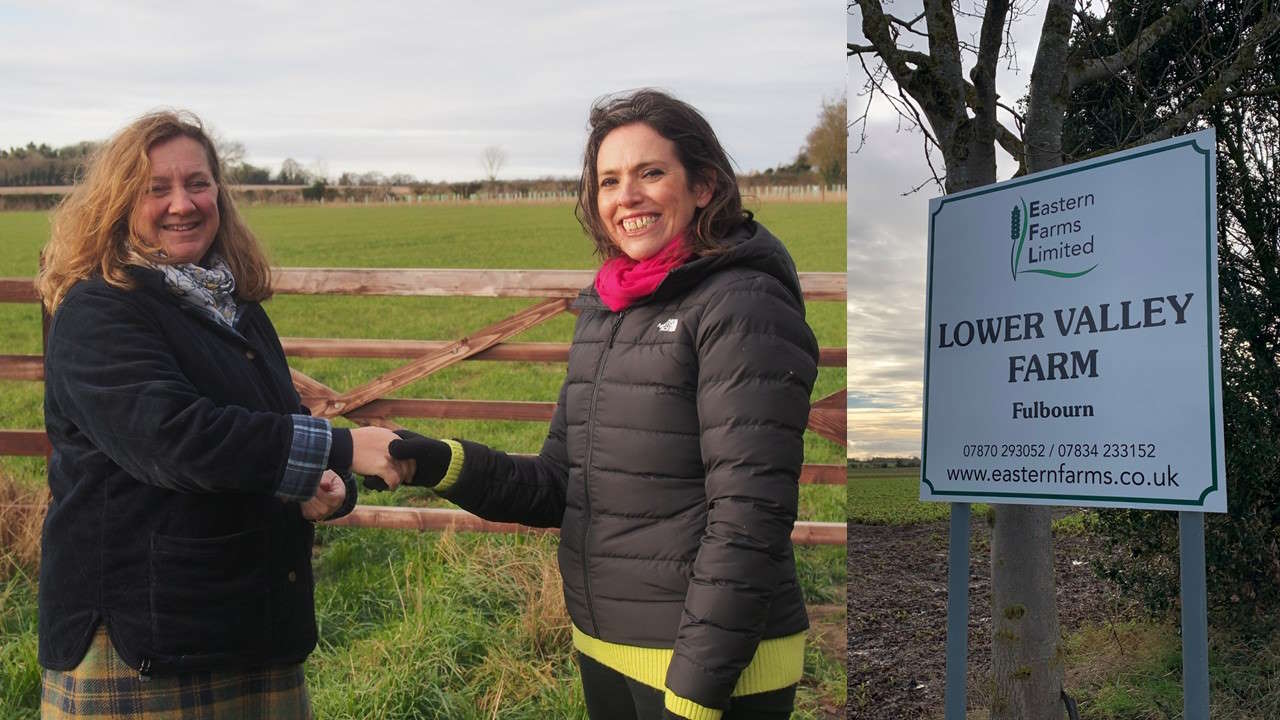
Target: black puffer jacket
[(671, 465)]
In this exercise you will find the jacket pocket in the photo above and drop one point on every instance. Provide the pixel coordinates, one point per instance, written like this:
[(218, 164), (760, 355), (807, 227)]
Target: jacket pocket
[(210, 596)]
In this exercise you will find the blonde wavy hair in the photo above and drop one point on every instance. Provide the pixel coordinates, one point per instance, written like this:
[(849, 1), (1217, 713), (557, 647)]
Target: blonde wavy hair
[(94, 227)]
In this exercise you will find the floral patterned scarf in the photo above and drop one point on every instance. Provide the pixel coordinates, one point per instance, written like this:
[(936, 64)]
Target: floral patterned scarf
[(210, 290)]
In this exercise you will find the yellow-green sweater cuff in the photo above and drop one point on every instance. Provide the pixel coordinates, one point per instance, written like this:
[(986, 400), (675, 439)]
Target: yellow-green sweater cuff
[(455, 466), (777, 663), (689, 709)]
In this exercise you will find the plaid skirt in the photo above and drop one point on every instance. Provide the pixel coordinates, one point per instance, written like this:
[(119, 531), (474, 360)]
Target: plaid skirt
[(103, 686)]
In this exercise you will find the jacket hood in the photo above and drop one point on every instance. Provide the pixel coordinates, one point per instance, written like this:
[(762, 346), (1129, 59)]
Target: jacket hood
[(750, 245)]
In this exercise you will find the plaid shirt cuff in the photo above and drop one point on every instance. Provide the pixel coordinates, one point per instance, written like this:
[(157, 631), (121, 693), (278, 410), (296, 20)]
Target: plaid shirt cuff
[(308, 458)]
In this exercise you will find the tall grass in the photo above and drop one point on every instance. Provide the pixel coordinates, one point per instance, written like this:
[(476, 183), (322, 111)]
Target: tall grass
[(448, 626), (21, 516), (1132, 670)]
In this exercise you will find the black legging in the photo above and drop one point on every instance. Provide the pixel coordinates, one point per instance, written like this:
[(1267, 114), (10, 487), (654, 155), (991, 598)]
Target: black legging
[(614, 696)]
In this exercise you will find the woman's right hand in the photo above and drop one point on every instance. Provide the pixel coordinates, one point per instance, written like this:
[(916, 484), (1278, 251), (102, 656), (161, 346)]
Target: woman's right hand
[(370, 456), (432, 457)]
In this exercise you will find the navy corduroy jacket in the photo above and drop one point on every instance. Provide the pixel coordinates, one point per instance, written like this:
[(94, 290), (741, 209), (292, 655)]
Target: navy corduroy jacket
[(170, 434)]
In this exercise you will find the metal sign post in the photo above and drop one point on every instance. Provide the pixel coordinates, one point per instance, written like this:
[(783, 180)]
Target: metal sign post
[(957, 611), (1195, 626)]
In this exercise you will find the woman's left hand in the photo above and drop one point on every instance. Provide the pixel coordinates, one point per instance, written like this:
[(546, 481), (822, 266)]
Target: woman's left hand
[(330, 493)]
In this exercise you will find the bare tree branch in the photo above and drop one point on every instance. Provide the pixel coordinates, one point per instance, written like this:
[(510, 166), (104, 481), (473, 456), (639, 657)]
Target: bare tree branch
[(492, 160), (1244, 59), (1017, 116), (935, 84), (860, 121), (983, 75), (915, 57), (1105, 67), (875, 26), (944, 49), (900, 101), (1269, 91), (938, 180), (1047, 100), (919, 122), (984, 72), (1016, 12), (908, 25), (1012, 144), (1010, 141)]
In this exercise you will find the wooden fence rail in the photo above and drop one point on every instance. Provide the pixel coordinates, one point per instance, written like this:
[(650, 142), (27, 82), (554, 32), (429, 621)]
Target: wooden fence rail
[(31, 367), (426, 282), (480, 283), (408, 518), (368, 404)]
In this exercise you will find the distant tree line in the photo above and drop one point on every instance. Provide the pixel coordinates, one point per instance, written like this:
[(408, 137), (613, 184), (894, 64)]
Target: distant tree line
[(886, 462), (42, 165), (823, 159)]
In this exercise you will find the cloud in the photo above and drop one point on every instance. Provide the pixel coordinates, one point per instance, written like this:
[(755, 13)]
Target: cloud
[(888, 247), (885, 433), (311, 80), (885, 309)]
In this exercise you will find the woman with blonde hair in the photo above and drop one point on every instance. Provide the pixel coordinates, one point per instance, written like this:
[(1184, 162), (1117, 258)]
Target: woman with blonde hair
[(185, 473)]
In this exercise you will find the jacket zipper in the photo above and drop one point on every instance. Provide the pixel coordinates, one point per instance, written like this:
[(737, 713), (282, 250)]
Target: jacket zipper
[(144, 670), (586, 469)]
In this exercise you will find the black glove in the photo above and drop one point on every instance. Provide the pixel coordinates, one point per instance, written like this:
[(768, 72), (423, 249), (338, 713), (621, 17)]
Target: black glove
[(349, 504), (431, 455)]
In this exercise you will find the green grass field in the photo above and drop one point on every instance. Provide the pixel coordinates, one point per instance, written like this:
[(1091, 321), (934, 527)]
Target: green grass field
[(890, 496), (433, 625)]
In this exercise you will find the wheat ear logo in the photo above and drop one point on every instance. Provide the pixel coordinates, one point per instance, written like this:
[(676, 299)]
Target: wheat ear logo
[(1050, 242)]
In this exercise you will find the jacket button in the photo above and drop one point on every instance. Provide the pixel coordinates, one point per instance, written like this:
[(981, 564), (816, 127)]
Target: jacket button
[(293, 576), (250, 354)]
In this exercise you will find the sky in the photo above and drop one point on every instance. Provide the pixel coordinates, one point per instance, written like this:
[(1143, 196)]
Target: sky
[(419, 87), (888, 244)]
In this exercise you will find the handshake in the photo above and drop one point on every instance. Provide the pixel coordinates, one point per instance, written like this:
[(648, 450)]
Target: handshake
[(390, 459), (387, 460)]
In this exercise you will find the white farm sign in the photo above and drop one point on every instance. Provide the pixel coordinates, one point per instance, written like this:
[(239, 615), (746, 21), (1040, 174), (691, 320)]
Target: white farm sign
[(1072, 348)]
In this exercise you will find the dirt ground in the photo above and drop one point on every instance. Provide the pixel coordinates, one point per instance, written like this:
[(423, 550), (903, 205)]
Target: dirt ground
[(897, 614)]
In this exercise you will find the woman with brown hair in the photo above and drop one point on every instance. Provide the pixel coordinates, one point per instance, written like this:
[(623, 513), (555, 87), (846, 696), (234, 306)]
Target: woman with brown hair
[(672, 462), (185, 474)]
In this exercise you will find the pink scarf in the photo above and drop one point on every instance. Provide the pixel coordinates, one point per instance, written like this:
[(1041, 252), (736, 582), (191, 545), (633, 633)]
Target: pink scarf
[(621, 280)]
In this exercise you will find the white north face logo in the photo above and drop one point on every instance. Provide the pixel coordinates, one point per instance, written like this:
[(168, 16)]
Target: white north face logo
[(668, 325)]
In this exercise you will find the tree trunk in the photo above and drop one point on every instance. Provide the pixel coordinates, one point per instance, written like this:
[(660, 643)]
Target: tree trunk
[(1026, 647)]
